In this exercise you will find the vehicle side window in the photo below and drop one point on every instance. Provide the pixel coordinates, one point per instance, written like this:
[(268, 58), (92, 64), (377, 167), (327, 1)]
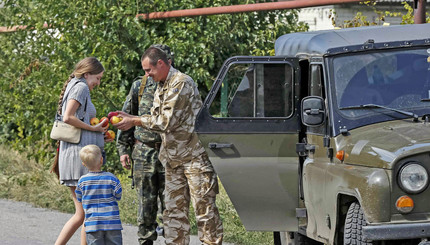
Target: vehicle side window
[(255, 90), (316, 81), (316, 89)]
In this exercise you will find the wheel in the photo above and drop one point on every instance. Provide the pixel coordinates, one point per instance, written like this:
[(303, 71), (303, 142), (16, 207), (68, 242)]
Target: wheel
[(354, 223)]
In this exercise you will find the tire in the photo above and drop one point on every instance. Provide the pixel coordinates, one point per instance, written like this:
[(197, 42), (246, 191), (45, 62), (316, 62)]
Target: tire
[(354, 223)]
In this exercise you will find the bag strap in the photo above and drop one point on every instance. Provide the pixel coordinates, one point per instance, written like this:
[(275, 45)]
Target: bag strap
[(142, 87), (59, 111)]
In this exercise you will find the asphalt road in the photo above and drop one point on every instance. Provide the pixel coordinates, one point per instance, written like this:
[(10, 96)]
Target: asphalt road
[(21, 223)]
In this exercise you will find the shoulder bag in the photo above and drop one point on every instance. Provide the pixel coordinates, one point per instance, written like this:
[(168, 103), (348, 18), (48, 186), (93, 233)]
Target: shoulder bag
[(63, 131)]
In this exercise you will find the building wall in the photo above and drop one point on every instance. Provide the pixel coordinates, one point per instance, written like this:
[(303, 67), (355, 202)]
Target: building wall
[(320, 18)]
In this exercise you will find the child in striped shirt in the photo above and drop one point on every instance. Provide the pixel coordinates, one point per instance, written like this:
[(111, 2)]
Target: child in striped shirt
[(99, 192)]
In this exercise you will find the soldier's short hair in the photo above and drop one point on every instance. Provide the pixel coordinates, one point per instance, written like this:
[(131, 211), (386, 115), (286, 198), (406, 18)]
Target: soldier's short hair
[(166, 49), (154, 56)]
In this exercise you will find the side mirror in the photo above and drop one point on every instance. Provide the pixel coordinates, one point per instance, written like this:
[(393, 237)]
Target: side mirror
[(313, 111)]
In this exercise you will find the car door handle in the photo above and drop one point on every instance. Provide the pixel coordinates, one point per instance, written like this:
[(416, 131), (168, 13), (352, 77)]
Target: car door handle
[(219, 145)]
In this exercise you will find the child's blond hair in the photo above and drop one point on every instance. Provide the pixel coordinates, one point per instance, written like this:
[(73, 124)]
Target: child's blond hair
[(90, 155)]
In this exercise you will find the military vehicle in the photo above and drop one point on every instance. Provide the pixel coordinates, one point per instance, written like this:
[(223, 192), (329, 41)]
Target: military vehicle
[(328, 141)]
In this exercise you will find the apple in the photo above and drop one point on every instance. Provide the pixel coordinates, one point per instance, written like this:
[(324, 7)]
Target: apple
[(115, 119), (110, 134), (94, 121), (106, 123), (111, 114)]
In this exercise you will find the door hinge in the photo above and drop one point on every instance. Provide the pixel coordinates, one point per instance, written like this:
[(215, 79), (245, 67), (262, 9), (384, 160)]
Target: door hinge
[(302, 149)]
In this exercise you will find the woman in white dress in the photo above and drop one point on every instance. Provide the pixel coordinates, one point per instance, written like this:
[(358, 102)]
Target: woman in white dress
[(77, 110)]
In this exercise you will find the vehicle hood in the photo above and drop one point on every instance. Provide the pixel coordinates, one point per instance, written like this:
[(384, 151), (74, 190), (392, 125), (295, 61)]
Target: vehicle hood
[(381, 145)]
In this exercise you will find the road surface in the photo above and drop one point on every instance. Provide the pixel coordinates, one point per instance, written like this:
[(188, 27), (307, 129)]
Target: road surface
[(21, 223)]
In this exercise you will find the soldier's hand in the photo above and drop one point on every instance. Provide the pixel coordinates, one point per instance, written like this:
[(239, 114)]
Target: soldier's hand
[(125, 161), (128, 121)]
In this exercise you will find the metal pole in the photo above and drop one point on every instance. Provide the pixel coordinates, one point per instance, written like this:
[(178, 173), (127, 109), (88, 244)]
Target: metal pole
[(15, 28), (242, 8), (420, 11)]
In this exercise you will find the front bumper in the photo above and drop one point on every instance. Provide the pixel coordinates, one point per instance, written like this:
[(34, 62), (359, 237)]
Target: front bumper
[(396, 231)]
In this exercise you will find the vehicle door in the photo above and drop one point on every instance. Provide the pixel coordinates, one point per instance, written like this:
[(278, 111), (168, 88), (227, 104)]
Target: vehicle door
[(249, 125), (316, 163)]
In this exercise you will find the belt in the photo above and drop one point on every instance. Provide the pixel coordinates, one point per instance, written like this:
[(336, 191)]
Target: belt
[(155, 145)]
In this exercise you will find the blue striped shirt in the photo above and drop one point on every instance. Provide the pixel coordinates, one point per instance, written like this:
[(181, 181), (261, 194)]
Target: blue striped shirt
[(99, 192)]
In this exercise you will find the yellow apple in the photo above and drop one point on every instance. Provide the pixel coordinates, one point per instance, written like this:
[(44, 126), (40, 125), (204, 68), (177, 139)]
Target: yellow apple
[(115, 119)]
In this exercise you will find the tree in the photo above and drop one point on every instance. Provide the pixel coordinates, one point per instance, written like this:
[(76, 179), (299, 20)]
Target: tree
[(36, 61)]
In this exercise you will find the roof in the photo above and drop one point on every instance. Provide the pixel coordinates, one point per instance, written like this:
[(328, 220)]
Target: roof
[(316, 43)]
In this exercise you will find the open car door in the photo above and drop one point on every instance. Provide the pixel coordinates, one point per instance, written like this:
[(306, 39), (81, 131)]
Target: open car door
[(249, 127)]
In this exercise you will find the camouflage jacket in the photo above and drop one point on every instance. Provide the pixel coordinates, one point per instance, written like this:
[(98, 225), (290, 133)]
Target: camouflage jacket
[(176, 104), (126, 139)]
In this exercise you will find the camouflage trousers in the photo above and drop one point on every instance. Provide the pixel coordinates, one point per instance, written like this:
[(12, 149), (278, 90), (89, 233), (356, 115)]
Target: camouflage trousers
[(195, 180), (149, 182)]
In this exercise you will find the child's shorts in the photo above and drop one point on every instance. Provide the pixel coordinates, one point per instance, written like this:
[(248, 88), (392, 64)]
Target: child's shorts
[(104, 237)]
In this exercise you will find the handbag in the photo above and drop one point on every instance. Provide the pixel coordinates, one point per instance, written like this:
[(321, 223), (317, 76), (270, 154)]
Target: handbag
[(63, 131)]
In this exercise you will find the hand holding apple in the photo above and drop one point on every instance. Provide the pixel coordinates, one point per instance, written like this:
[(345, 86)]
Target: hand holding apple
[(97, 125), (128, 121), (106, 123), (115, 119)]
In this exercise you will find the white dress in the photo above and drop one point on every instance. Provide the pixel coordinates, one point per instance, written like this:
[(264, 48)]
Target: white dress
[(69, 162)]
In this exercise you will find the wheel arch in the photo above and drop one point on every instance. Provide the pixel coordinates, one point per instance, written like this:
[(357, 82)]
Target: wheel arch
[(367, 186), (343, 203)]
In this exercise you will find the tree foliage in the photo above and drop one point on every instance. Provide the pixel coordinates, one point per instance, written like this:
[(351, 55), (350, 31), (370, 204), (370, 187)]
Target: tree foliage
[(36, 61)]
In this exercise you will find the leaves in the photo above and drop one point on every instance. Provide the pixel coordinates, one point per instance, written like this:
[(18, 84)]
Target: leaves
[(35, 62)]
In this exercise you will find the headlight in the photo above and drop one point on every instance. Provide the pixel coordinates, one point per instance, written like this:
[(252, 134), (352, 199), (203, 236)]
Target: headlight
[(413, 178)]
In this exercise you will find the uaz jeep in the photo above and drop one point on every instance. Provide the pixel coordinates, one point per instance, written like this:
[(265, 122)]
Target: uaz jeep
[(329, 140)]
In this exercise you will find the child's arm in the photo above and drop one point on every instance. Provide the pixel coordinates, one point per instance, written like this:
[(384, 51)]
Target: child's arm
[(78, 192), (118, 190)]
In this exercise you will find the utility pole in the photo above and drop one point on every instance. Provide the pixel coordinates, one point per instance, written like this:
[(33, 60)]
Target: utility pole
[(295, 4)]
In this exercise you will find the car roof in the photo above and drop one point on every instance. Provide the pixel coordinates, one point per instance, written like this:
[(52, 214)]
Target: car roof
[(317, 43)]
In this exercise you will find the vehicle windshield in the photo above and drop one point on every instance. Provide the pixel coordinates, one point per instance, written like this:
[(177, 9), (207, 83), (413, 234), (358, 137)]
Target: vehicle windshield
[(398, 79)]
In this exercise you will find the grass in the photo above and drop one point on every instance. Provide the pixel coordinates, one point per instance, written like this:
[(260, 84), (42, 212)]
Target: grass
[(25, 180)]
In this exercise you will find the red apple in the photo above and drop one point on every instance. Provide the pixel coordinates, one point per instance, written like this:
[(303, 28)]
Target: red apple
[(115, 119), (106, 123), (94, 121), (111, 114), (110, 134)]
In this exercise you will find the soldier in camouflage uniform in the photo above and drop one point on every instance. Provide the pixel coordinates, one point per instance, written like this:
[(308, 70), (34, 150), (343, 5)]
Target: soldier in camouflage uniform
[(148, 171), (189, 173)]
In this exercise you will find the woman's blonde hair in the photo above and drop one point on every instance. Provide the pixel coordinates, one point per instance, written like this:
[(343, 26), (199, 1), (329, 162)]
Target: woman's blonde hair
[(90, 65)]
